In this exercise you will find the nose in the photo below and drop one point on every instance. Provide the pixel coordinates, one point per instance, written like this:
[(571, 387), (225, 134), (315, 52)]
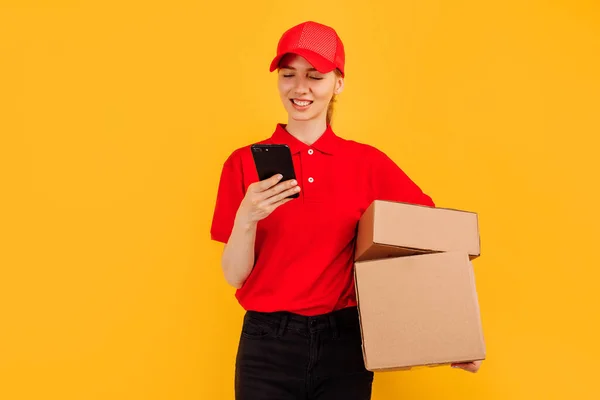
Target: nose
[(301, 85)]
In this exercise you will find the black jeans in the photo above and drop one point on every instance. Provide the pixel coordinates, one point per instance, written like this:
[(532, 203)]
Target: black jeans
[(287, 356)]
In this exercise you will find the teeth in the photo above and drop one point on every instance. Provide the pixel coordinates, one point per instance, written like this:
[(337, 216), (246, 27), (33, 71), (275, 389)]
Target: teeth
[(301, 103)]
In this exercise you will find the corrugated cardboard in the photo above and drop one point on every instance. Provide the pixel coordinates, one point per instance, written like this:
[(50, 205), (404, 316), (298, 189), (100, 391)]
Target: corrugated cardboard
[(393, 229), (418, 311)]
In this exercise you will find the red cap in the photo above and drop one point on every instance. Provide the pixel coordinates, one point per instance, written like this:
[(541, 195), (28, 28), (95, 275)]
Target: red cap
[(319, 44)]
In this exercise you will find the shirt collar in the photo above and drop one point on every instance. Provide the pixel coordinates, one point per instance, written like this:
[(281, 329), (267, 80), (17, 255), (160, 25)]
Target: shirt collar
[(328, 143)]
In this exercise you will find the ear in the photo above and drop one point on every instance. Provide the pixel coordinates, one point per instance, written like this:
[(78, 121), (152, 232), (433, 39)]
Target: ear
[(339, 85)]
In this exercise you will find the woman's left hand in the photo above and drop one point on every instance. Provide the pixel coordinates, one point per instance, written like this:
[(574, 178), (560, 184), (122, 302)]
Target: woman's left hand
[(469, 366)]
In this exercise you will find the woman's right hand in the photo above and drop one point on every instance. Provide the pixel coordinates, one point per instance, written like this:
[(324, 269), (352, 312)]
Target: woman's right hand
[(263, 197)]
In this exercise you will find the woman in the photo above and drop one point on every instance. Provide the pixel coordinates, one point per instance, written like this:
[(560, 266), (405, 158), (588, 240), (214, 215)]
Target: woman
[(291, 259)]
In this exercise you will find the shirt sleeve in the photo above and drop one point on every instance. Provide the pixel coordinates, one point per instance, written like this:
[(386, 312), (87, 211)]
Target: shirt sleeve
[(393, 184), (230, 194)]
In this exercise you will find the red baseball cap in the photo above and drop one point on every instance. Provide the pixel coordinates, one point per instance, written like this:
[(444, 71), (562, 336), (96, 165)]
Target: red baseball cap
[(317, 43)]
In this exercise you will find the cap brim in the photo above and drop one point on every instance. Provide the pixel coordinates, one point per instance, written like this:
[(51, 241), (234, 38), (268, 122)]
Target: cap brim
[(320, 63)]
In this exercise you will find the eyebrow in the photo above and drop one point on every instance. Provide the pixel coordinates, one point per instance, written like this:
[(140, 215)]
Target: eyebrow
[(288, 67)]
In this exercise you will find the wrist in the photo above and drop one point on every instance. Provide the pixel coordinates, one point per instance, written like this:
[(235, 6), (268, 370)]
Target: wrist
[(245, 225)]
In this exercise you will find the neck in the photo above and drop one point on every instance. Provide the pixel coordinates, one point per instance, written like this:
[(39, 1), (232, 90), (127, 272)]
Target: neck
[(307, 132)]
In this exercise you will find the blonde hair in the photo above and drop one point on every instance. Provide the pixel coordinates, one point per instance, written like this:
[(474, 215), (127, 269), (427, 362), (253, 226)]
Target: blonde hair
[(330, 109), (331, 105)]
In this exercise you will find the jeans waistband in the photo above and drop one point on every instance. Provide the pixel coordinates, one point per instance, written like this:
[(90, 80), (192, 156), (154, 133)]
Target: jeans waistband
[(339, 319)]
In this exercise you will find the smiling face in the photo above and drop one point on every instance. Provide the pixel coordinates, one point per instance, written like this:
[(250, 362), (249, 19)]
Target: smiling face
[(304, 91)]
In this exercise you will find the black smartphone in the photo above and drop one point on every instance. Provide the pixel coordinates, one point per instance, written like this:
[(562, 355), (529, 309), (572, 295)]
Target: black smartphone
[(272, 159)]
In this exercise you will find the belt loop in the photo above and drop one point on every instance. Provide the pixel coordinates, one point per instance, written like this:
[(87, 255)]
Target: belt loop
[(333, 326), (282, 325)]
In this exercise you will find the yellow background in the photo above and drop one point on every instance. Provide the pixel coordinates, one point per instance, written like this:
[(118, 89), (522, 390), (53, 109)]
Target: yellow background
[(115, 118)]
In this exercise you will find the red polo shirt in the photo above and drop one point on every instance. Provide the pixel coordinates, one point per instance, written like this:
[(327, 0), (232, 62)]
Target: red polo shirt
[(305, 248)]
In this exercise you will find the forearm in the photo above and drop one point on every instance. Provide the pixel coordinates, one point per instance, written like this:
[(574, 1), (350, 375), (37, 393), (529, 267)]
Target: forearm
[(238, 256)]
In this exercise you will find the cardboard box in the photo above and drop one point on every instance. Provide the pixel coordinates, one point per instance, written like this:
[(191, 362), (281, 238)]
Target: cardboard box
[(394, 229), (418, 310)]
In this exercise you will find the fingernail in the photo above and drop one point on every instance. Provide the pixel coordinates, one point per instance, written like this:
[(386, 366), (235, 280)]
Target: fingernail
[(279, 176), (294, 182)]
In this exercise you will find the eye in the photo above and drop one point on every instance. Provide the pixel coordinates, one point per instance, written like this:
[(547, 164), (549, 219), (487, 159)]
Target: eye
[(316, 78), (287, 75)]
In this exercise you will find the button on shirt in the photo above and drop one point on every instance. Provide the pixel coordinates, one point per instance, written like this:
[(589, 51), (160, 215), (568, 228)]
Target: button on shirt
[(304, 250)]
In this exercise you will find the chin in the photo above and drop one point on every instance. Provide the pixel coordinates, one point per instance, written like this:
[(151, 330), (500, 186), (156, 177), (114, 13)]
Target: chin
[(299, 116), (296, 117)]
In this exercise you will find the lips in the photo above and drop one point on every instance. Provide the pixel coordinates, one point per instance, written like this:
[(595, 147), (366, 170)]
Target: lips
[(301, 102)]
